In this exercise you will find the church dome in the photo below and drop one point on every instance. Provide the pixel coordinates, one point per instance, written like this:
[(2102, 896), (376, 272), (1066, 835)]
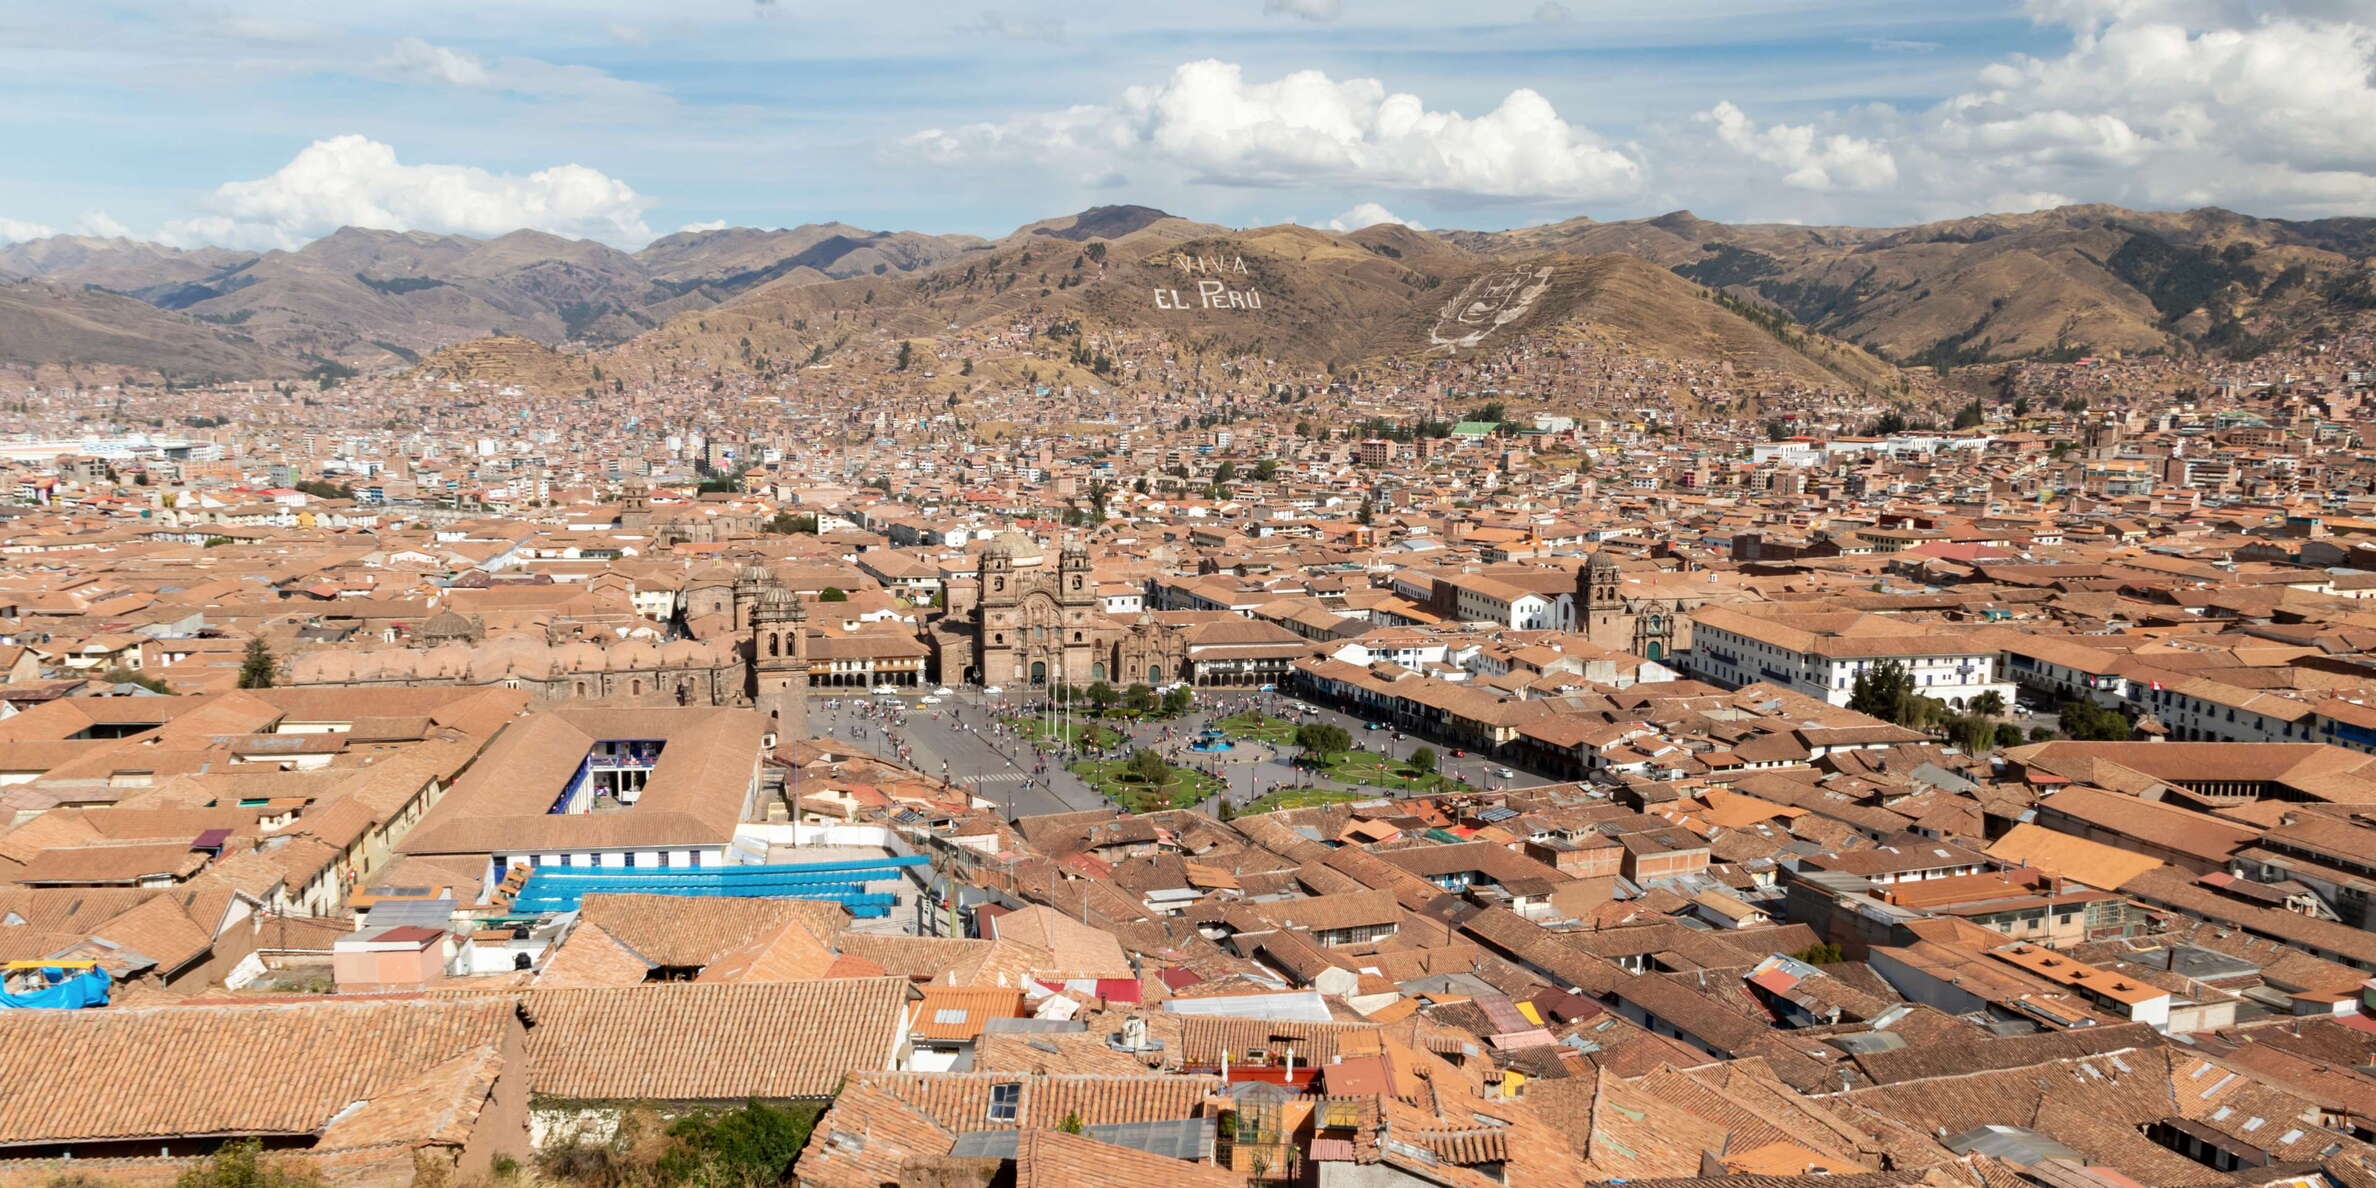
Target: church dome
[(446, 625)]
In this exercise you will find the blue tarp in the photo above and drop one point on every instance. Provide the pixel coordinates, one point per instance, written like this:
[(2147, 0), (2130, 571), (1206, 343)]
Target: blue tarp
[(86, 989), (558, 889), (754, 870)]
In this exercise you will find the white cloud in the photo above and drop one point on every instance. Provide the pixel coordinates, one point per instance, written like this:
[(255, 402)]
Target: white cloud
[(415, 60), (1552, 12), (13, 230), (354, 181), (1209, 122), (99, 222), (625, 34), (2154, 103), (1811, 160), (1370, 214), (712, 225), (437, 63), (1310, 10)]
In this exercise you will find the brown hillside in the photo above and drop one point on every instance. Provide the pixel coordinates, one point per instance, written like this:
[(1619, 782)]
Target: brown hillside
[(509, 361), (44, 326)]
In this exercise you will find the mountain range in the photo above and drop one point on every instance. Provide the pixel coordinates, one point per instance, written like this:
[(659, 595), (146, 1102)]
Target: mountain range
[(1843, 303), (367, 299)]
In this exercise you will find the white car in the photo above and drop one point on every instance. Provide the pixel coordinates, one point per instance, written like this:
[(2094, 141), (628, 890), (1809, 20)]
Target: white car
[(886, 690), (943, 691), (993, 690), (1505, 773), (928, 701)]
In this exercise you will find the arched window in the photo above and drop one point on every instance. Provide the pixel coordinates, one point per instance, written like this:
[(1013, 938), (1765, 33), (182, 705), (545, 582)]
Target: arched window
[(635, 687), (771, 643)]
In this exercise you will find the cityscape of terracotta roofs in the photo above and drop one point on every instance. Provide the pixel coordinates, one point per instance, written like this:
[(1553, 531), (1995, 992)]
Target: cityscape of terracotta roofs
[(1534, 765)]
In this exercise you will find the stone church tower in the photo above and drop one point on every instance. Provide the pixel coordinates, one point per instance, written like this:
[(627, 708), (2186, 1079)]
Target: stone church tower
[(780, 661), (750, 585), (1644, 627), (635, 510)]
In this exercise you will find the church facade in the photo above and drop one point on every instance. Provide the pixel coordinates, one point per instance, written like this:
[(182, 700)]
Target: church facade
[(1647, 615), (1034, 626)]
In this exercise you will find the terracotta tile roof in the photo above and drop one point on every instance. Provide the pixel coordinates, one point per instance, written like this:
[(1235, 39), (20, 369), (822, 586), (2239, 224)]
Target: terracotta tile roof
[(283, 1069), (755, 1039), (959, 1012), (693, 932), (1054, 1159), (961, 1101)]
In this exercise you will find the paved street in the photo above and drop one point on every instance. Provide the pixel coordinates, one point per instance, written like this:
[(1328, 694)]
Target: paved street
[(961, 740)]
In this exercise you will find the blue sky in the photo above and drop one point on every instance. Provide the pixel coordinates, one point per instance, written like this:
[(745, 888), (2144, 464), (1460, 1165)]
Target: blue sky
[(261, 124)]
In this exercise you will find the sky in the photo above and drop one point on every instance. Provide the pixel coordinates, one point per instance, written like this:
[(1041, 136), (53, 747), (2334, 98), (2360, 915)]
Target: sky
[(259, 124)]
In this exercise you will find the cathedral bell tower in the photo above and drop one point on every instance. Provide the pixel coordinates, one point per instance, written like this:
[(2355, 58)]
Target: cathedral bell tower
[(1596, 588), (780, 663), (1072, 571), (635, 509), (750, 585)]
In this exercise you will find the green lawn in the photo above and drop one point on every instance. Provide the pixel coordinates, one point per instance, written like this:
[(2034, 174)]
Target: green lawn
[(1295, 798), (1078, 734), (1181, 788), (1277, 732), (1376, 771)]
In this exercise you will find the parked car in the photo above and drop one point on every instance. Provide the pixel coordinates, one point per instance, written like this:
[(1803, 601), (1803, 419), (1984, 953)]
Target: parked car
[(993, 690), (943, 691), (1460, 754), (1374, 726), (886, 690), (1505, 773)]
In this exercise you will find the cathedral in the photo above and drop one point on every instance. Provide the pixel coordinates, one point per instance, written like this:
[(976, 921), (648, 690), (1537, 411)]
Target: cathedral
[(1035, 626), (1646, 615), (763, 662)]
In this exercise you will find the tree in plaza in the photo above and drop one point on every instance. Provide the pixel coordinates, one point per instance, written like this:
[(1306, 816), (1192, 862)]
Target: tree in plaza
[(1146, 767), (1423, 761), (1322, 740), (1974, 733), (1178, 701), (1138, 699), (256, 667), (2008, 735), (1990, 704), (1102, 696)]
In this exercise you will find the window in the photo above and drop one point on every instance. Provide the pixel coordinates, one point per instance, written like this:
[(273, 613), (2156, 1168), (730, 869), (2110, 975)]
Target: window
[(949, 1016), (1006, 1100)]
